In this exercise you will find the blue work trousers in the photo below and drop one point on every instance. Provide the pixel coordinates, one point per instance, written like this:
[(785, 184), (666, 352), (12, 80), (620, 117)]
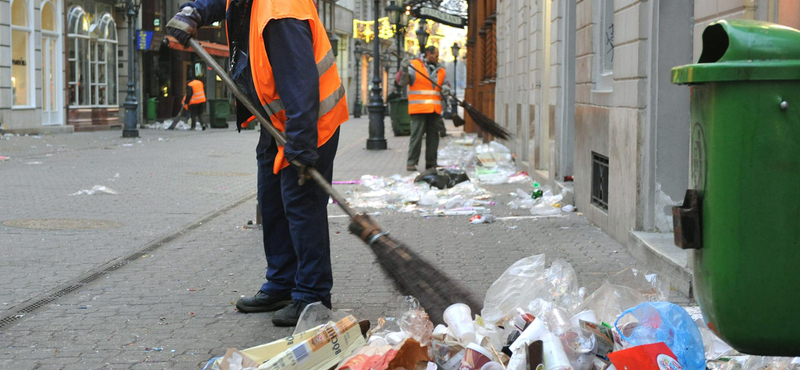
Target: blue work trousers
[(295, 224)]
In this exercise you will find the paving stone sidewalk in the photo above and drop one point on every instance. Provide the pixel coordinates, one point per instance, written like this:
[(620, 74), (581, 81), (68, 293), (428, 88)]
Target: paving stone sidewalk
[(172, 307)]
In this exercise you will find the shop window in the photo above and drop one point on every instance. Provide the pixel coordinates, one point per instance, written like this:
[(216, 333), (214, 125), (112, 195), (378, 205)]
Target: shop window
[(21, 54), (102, 61), (78, 57)]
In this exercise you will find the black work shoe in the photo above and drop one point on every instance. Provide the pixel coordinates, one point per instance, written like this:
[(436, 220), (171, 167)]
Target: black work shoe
[(263, 302), (411, 168), (289, 315)]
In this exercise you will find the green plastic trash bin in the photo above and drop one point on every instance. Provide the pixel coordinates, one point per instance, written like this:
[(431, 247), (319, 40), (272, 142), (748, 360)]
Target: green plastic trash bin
[(220, 111), (152, 109), (741, 215), (398, 111)]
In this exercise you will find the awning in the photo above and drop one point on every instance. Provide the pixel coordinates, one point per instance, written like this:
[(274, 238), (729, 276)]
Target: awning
[(211, 47)]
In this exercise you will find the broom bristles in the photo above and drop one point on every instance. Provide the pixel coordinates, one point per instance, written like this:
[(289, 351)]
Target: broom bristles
[(457, 121), (415, 276), (412, 274), (485, 123)]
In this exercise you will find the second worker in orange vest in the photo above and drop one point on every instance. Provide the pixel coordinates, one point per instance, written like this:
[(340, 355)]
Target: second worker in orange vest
[(282, 59), (424, 105), (196, 96)]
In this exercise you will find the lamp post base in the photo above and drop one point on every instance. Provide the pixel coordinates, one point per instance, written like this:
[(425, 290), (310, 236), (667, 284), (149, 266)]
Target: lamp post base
[(376, 144)]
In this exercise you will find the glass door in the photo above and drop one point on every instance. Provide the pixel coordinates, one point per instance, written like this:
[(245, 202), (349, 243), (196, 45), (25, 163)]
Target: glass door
[(51, 73)]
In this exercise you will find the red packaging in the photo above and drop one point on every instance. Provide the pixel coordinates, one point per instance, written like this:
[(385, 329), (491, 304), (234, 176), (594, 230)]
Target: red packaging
[(655, 356)]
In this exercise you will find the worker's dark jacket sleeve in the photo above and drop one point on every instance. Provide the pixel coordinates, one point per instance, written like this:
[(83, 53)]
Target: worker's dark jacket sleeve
[(290, 50), (189, 94), (210, 10)]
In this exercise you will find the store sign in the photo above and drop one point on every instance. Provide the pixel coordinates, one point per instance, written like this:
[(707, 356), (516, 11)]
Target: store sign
[(441, 17), (149, 40), (144, 39)]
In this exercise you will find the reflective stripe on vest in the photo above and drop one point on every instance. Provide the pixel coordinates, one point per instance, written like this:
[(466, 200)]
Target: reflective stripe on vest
[(326, 105), (423, 96), (332, 104), (198, 93)]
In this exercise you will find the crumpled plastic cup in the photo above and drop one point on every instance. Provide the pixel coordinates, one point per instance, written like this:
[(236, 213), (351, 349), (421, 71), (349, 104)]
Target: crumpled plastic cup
[(459, 318)]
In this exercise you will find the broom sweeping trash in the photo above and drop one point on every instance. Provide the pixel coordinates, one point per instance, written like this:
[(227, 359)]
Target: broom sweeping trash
[(412, 274)]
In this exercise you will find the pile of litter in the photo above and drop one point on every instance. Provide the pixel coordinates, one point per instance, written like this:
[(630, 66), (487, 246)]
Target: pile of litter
[(490, 163), (166, 124), (540, 201), (414, 194), (533, 318)]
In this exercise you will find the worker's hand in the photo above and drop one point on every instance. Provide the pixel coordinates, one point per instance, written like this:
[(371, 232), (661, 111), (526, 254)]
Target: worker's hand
[(405, 63), (446, 90), (303, 174), (184, 24)]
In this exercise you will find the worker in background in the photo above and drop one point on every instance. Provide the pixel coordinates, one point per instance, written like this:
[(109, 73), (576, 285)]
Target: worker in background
[(196, 96), (424, 104), (282, 59)]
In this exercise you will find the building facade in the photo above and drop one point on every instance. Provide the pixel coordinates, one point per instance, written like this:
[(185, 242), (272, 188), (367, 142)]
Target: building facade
[(586, 88)]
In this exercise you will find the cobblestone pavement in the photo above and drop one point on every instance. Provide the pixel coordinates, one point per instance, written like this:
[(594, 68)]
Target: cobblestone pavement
[(170, 305)]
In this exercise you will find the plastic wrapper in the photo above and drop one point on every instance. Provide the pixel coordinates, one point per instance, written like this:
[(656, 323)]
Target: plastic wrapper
[(715, 348), (416, 324), (405, 355), (314, 315), (655, 288), (668, 323), (516, 287), (97, 189), (609, 301)]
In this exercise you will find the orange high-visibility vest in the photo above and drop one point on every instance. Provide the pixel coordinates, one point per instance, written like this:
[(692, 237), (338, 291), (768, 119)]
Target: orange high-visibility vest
[(423, 97), (198, 92), (332, 102)]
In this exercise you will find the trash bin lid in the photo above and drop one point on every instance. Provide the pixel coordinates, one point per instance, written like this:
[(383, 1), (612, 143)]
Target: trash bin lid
[(744, 50)]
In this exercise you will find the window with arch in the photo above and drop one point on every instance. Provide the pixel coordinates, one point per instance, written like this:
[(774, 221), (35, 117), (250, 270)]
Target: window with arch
[(50, 36), (103, 61), (78, 57), (21, 54)]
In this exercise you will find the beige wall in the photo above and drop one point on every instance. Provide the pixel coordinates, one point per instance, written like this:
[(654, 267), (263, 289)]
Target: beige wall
[(707, 11)]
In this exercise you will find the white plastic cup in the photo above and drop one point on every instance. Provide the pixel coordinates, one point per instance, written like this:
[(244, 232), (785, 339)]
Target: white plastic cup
[(459, 318), (475, 357), (554, 356), (492, 365), (535, 331), (587, 316), (558, 320)]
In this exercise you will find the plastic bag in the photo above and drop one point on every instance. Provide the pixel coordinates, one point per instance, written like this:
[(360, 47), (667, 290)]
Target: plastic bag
[(610, 300), (668, 323), (516, 287), (655, 288)]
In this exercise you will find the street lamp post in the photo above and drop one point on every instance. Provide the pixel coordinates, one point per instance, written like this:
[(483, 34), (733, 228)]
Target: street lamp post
[(357, 104), (455, 49), (131, 102), (422, 35), (398, 17), (376, 140)]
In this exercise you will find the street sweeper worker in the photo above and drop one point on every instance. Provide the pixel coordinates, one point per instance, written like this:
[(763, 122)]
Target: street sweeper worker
[(282, 58), (195, 101), (424, 105)]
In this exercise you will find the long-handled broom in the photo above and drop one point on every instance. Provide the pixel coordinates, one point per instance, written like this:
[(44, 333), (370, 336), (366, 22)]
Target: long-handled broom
[(412, 273), (485, 123)]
